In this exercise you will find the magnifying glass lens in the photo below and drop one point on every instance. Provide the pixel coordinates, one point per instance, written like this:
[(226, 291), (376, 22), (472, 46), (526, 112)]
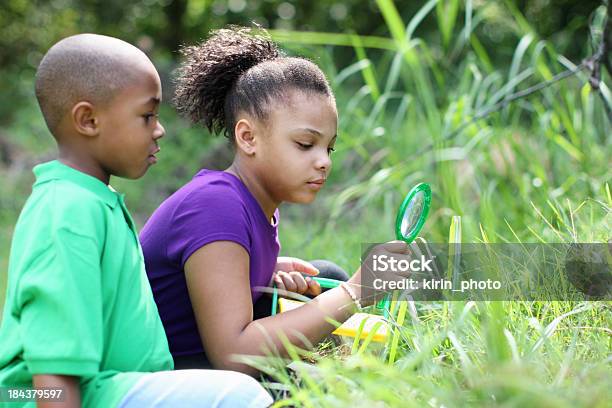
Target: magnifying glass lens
[(412, 214)]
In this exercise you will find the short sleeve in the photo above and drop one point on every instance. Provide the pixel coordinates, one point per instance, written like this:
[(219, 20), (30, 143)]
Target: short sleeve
[(59, 302), (213, 213)]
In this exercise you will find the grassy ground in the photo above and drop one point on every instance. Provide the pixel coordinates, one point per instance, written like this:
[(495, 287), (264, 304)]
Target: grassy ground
[(537, 170)]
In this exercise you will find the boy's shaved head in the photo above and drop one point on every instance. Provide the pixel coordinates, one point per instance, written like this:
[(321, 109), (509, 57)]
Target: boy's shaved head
[(84, 67)]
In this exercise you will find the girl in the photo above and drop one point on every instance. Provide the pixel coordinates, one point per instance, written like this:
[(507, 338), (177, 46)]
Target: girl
[(210, 244)]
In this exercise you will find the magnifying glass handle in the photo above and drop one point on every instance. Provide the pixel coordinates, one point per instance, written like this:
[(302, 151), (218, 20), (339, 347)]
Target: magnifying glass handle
[(381, 303), (324, 282), (327, 283)]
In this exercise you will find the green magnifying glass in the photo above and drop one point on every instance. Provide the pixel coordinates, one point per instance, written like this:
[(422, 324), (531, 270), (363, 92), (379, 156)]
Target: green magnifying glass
[(412, 213), (409, 221)]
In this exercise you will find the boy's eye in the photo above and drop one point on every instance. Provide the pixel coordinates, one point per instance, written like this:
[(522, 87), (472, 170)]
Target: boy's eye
[(330, 150), (147, 116)]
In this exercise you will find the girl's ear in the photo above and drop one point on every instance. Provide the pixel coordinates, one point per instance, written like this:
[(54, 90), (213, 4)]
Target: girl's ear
[(245, 137)]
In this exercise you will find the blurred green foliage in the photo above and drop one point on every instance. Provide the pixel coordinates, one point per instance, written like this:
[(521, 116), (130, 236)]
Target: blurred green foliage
[(29, 27)]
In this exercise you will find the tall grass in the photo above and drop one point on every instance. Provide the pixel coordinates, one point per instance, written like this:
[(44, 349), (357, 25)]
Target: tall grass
[(414, 121), (470, 354), (536, 170)]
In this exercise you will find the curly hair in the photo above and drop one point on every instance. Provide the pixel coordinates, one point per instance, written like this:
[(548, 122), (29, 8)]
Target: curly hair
[(238, 69)]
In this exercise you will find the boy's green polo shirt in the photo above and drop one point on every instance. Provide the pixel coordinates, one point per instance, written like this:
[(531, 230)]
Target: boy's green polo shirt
[(78, 300)]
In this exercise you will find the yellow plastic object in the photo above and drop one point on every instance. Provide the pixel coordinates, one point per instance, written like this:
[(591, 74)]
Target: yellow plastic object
[(350, 327)]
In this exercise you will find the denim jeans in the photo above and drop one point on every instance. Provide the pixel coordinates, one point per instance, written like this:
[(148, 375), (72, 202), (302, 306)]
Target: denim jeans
[(196, 388)]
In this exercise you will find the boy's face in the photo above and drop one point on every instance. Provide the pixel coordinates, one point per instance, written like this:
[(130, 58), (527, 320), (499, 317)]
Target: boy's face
[(130, 128), (294, 154)]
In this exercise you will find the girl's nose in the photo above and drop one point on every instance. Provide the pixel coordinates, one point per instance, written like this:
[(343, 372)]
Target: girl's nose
[(324, 161)]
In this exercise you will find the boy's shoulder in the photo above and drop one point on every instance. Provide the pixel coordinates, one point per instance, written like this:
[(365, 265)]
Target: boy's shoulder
[(75, 201), (66, 196)]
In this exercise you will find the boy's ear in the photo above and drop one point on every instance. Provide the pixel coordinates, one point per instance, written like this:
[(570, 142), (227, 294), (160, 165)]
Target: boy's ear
[(84, 119), (245, 137)]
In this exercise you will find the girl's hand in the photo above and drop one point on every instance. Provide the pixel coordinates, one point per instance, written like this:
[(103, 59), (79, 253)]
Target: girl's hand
[(288, 264), (389, 249), (288, 276)]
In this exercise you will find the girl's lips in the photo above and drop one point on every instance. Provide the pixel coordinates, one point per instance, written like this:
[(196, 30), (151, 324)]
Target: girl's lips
[(316, 184), (320, 181)]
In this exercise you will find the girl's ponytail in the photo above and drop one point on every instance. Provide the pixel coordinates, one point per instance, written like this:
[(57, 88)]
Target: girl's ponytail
[(240, 70), (211, 70)]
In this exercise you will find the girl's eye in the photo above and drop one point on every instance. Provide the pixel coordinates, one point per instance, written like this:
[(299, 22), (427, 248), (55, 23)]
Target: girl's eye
[(330, 150), (304, 146)]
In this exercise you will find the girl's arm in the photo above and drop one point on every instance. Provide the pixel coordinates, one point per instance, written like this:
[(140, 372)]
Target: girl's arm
[(218, 282)]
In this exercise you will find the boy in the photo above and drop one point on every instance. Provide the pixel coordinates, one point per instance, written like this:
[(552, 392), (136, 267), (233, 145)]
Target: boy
[(79, 315)]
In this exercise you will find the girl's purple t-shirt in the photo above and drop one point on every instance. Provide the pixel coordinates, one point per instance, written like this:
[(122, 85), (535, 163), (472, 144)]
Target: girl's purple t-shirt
[(213, 206)]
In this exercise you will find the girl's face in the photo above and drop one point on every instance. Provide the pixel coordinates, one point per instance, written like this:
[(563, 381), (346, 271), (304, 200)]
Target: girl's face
[(294, 148)]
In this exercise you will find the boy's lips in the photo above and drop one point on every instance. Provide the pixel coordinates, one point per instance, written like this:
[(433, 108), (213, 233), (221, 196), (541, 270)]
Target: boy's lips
[(152, 158)]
